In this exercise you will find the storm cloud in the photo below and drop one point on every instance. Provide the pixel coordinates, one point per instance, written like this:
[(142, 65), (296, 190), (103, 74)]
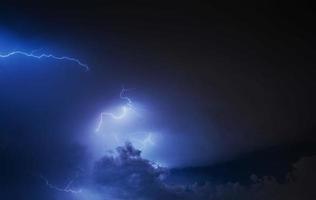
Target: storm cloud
[(129, 176), (126, 175)]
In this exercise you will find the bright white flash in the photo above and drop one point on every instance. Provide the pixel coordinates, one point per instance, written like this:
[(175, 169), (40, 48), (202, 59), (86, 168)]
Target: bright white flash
[(144, 142), (117, 116), (141, 140), (124, 131), (40, 56), (66, 189)]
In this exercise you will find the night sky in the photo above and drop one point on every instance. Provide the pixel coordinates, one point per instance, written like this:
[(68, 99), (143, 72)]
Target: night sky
[(219, 101)]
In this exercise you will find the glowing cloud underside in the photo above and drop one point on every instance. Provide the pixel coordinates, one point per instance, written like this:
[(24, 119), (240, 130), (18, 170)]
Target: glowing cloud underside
[(41, 56)]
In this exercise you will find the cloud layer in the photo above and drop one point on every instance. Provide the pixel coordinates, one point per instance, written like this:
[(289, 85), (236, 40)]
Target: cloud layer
[(124, 174)]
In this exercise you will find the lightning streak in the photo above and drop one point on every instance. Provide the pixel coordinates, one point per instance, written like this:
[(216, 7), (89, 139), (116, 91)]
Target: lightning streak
[(124, 110), (40, 56), (66, 189), (122, 96)]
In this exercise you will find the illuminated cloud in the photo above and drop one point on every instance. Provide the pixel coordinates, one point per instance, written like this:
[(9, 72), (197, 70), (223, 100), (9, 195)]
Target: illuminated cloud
[(126, 175)]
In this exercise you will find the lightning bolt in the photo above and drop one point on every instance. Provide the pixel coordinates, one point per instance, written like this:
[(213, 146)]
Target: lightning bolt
[(117, 116), (40, 56), (66, 189)]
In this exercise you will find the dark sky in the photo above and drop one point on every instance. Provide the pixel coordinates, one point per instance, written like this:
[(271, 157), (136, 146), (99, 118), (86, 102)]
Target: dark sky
[(220, 85)]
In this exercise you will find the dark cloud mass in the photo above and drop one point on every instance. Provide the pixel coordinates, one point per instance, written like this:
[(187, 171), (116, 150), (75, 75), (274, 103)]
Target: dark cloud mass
[(127, 175)]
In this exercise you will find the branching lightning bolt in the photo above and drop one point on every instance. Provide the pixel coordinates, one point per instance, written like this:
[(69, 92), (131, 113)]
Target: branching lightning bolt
[(66, 189), (124, 110), (40, 56)]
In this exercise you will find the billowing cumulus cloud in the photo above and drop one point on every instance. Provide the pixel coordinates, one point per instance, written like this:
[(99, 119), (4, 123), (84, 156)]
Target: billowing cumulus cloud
[(129, 176), (126, 175)]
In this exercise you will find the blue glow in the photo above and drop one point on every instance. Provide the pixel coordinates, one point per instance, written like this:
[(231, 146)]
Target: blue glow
[(124, 124), (117, 116), (140, 140), (124, 111), (40, 56)]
